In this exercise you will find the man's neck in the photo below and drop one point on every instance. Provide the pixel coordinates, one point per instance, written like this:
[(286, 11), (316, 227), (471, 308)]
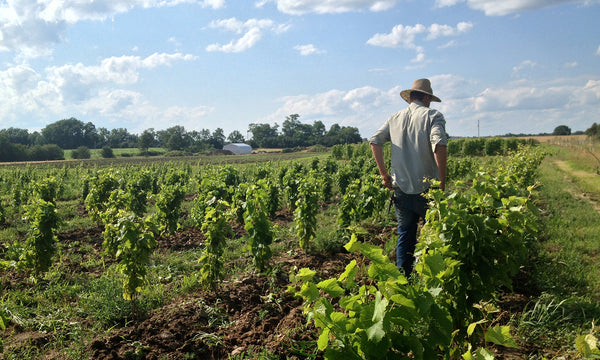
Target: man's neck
[(419, 102)]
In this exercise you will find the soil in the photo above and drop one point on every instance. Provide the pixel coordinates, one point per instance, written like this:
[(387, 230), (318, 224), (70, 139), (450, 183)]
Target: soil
[(244, 316)]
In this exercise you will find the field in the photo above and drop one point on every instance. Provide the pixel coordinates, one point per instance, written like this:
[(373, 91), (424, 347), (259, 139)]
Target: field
[(223, 273)]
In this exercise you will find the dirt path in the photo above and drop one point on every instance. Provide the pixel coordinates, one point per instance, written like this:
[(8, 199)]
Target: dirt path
[(592, 198)]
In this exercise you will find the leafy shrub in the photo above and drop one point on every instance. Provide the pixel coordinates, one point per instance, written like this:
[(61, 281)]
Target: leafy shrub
[(474, 147), (107, 152), (82, 152), (494, 146), (45, 152)]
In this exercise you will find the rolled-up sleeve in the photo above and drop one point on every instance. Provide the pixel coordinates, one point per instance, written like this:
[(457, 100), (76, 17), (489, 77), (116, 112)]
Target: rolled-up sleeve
[(382, 135), (438, 130)]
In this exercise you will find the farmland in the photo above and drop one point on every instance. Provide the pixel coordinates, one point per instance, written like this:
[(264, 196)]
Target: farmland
[(225, 257)]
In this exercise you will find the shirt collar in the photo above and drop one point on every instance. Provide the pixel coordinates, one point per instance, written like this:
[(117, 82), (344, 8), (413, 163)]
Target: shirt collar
[(418, 102)]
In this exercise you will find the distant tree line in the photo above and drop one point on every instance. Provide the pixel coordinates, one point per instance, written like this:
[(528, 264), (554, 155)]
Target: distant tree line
[(49, 143)]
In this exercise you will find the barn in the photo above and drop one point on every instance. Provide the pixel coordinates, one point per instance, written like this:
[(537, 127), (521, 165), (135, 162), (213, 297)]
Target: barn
[(238, 148)]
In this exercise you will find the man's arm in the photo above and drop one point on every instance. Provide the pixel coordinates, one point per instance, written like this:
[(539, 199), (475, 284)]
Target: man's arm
[(441, 155), (385, 175)]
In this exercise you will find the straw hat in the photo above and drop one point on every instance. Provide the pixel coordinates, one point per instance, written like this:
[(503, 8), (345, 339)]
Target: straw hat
[(421, 85)]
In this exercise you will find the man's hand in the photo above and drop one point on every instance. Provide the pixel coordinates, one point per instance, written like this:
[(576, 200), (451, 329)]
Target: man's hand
[(385, 175), (387, 181)]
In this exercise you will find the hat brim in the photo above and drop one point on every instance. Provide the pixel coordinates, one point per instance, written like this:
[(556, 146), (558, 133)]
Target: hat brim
[(405, 94)]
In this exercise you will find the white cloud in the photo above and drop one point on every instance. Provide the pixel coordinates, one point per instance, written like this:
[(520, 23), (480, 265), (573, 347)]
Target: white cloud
[(521, 106), (252, 31), (505, 7), (30, 27), (308, 49), (571, 65), (526, 64), (82, 89), (444, 3), (299, 7), (598, 51), (527, 106), (437, 30), (403, 36)]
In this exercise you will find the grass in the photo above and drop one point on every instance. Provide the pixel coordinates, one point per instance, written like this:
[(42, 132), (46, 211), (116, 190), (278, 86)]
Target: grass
[(564, 271)]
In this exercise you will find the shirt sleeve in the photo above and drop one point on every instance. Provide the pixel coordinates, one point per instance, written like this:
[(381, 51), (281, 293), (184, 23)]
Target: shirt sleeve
[(382, 135), (438, 130)]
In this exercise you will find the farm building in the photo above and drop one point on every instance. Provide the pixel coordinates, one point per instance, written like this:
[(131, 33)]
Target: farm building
[(238, 149)]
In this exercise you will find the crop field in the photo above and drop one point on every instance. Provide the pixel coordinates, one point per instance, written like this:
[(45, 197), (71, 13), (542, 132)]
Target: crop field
[(290, 256)]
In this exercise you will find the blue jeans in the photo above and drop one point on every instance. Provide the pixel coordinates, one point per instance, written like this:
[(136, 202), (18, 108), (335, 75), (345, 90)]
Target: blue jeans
[(409, 209)]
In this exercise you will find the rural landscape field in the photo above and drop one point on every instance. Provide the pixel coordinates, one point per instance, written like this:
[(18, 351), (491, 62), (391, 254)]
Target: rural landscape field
[(289, 256)]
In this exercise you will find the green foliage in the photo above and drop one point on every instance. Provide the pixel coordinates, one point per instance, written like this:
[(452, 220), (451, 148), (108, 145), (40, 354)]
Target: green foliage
[(587, 345), (474, 147), (107, 152), (461, 168), (139, 186), (494, 146), (168, 205), (82, 152), (169, 200), (131, 239), (474, 241), (454, 148), (216, 229), (363, 198), (100, 188), (307, 207), (43, 219), (2, 215), (258, 226), (386, 317)]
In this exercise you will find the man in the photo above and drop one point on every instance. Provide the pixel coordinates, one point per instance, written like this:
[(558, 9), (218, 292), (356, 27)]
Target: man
[(419, 140)]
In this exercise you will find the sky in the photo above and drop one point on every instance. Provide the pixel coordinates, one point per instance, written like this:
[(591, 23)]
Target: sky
[(499, 66)]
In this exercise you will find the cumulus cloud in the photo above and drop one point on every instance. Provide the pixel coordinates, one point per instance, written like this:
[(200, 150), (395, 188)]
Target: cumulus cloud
[(30, 27), (251, 31), (83, 89), (403, 36), (505, 7), (517, 106), (526, 106), (308, 49), (299, 7)]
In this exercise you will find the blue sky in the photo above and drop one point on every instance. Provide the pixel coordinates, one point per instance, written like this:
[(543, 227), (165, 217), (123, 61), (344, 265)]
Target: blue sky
[(518, 66)]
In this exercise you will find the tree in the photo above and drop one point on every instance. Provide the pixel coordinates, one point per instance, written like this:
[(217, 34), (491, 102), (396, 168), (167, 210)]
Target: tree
[(593, 131), (290, 125), (318, 129), (67, 133), (174, 138), (562, 130), (16, 136), (217, 139), (263, 135), (236, 137), (146, 140), (121, 138), (90, 135)]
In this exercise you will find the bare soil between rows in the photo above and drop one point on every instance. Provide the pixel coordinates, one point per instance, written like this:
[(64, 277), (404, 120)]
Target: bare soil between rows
[(245, 316)]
